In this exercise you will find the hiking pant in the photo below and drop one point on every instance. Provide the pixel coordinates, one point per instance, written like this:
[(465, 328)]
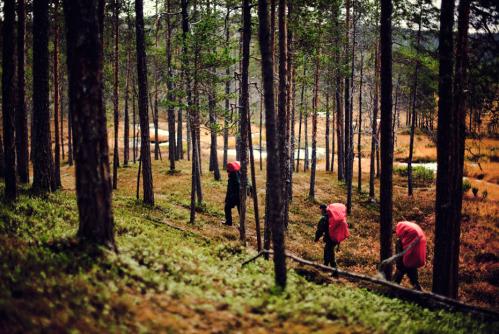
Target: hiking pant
[(228, 212), (329, 254), (412, 273)]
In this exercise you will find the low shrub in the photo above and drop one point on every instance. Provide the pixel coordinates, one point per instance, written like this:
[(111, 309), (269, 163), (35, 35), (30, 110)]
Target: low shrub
[(420, 175)]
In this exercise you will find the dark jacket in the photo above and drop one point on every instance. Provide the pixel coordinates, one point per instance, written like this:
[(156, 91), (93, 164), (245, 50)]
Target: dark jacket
[(323, 230), (232, 196)]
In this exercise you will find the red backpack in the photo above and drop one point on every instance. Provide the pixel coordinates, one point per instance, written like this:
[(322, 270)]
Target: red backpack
[(338, 227), (233, 166), (407, 232)]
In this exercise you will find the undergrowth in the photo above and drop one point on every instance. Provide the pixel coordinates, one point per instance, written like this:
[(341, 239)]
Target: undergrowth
[(49, 281)]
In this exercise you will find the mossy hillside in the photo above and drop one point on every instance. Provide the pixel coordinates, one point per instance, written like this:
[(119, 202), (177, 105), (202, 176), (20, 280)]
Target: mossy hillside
[(49, 280)]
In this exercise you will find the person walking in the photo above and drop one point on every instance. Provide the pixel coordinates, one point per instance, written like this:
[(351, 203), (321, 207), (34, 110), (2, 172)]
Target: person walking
[(232, 196)]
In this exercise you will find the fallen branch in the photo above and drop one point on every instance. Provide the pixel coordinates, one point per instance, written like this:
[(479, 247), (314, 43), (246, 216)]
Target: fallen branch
[(427, 299), (158, 222)]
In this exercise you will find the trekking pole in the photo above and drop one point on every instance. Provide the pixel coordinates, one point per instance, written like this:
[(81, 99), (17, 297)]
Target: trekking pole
[(393, 258)]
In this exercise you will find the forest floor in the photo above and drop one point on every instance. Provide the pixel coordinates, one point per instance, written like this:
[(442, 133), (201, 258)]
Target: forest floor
[(172, 277)]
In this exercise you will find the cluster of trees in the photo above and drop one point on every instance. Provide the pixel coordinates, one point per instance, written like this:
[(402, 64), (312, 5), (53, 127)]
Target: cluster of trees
[(197, 62)]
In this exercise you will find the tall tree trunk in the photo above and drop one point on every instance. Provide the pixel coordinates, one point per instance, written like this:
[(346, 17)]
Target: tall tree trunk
[(374, 126), (134, 120), (157, 152), (8, 99), (70, 135), (315, 104), (21, 117), (63, 107), (359, 126), (172, 152), (413, 105), (274, 193), (347, 144), (126, 118), (450, 149), (332, 136), (187, 82), (244, 117), (57, 148), (386, 134), (305, 125), (302, 99), (349, 152), (339, 107), (254, 193), (328, 119), (290, 121), (227, 92), (145, 150), (116, 154), (261, 126), (84, 27), (213, 131), (282, 115), (42, 159)]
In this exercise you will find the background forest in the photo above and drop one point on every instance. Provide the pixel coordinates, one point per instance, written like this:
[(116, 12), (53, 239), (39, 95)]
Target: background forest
[(119, 119)]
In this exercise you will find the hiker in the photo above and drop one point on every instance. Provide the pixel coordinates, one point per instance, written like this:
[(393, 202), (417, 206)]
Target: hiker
[(411, 242), (232, 196), (334, 229)]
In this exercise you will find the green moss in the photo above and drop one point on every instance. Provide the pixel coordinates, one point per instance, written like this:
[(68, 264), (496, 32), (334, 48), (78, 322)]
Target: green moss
[(49, 280)]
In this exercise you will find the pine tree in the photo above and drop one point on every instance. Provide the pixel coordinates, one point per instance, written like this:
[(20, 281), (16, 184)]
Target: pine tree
[(8, 69), (84, 27), (145, 150)]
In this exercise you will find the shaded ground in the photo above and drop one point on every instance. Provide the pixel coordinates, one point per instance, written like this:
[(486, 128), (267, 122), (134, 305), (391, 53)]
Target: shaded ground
[(171, 281)]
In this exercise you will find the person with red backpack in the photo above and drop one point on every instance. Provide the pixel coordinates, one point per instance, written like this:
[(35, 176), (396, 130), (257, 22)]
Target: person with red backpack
[(232, 195), (411, 246), (333, 229)]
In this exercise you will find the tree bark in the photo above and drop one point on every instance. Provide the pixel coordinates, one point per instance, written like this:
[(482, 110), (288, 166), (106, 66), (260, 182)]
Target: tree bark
[(126, 119), (116, 154), (315, 105), (145, 150), (413, 105), (21, 116), (274, 189), (42, 158), (359, 126), (374, 126), (300, 121), (282, 115), (450, 149), (227, 92), (339, 108), (386, 134), (157, 152), (70, 136), (244, 118), (346, 91), (290, 121), (8, 100), (328, 120), (57, 148), (172, 152), (84, 21)]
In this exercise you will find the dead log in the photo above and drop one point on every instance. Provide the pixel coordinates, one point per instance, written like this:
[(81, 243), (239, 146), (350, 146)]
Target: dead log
[(422, 298)]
